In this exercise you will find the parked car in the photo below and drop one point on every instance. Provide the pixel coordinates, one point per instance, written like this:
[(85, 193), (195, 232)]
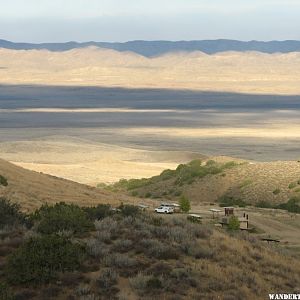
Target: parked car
[(164, 210)]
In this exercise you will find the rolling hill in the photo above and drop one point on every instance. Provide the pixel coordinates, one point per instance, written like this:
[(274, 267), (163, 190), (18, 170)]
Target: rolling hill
[(254, 183), (238, 72), (32, 189)]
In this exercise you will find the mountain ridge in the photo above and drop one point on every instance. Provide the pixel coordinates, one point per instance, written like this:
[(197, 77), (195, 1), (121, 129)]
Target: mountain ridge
[(160, 47)]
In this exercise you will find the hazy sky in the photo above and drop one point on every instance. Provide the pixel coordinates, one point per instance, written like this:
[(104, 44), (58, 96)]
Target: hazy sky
[(122, 20)]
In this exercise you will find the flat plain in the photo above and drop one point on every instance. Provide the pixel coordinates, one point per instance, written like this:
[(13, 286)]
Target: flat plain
[(94, 134)]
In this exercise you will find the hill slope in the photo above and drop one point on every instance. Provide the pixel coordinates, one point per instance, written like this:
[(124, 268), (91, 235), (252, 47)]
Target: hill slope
[(250, 72), (31, 189), (271, 182), (156, 48)]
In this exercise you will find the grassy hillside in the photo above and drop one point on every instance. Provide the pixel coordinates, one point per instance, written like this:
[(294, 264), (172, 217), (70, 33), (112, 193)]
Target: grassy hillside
[(68, 252), (32, 189), (254, 183)]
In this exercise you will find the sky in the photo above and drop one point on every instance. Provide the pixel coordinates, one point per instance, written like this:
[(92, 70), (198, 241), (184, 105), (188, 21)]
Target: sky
[(124, 20)]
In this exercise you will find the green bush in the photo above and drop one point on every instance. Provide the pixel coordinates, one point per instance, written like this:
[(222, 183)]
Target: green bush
[(293, 205), (184, 173), (98, 212), (40, 259), (292, 185), (264, 204), (276, 191), (231, 201), (234, 223), (62, 216), (185, 204), (10, 213), (3, 181)]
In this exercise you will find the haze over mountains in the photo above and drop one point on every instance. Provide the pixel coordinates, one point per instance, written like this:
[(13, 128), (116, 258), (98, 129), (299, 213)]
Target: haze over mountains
[(156, 48)]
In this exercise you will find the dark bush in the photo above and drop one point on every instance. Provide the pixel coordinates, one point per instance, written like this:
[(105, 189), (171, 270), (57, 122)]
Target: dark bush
[(293, 205), (264, 204), (5, 293), (154, 283), (40, 259), (129, 210), (3, 181), (98, 212), (231, 201), (62, 216), (10, 213)]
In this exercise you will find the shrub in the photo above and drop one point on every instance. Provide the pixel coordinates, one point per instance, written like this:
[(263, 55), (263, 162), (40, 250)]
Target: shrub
[(231, 201), (264, 204), (233, 223), (40, 259), (276, 191), (292, 185), (5, 293), (129, 210), (98, 212), (121, 261), (160, 251), (96, 249), (107, 225), (139, 282), (10, 213), (83, 290), (154, 283), (185, 204), (62, 216), (107, 279), (3, 181), (123, 245), (293, 205)]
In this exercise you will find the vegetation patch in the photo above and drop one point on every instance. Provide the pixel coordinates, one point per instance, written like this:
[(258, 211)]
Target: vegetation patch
[(149, 256), (293, 205), (185, 204), (3, 181), (184, 174), (63, 217), (98, 212), (276, 191), (264, 204), (40, 259), (233, 223), (231, 201), (246, 183), (10, 214), (292, 185)]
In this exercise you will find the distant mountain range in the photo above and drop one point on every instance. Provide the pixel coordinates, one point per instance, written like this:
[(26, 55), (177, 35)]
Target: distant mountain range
[(156, 48)]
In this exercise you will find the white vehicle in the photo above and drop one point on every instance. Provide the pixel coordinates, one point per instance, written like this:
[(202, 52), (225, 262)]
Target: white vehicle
[(164, 210)]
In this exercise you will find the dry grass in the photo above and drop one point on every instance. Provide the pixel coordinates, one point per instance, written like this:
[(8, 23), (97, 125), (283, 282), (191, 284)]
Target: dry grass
[(31, 189)]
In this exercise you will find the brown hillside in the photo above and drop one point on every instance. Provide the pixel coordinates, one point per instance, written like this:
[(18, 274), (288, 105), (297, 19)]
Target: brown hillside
[(252, 182), (32, 189)]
